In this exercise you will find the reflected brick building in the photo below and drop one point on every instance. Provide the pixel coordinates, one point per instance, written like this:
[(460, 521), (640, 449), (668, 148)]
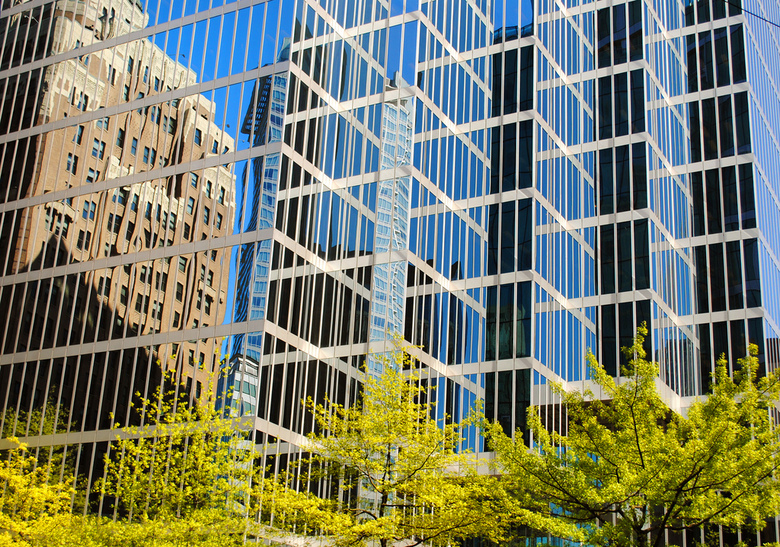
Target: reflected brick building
[(95, 257)]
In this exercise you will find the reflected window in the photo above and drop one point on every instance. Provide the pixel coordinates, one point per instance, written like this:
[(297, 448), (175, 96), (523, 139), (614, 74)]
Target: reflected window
[(190, 205), (84, 239), (198, 137), (72, 164), (79, 134), (120, 138), (134, 147), (98, 149)]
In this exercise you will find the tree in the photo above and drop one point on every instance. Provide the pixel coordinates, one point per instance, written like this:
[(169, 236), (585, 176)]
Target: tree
[(30, 507), (401, 475), (629, 469), (186, 477)]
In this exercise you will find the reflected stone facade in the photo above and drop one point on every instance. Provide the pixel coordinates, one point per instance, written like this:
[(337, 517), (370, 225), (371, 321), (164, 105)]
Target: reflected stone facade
[(278, 188)]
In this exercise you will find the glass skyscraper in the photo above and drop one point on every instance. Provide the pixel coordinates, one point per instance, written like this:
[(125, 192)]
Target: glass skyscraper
[(278, 188)]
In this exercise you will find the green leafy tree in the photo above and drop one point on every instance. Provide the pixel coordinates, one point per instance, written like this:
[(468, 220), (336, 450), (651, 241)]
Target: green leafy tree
[(187, 475), (629, 469), (31, 509), (400, 474)]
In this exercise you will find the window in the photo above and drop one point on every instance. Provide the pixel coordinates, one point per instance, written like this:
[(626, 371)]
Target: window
[(111, 74), (198, 137), (102, 123), (153, 156), (134, 146), (130, 231), (186, 233), (79, 134), (206, 215), (215, 147), (213, 254), (179, 292), (84, 239), (134, 204), (120, 137), (123, 295), (129, 64), (103, 286), (80, 100), (199, 300), (219, 221), (176, 319), (146, 154), (154, 114), (190, 205), (146, 74), (221, 199), (161, 282), (194, 180), (121, 196), (157, 310), (210, 278), (156, 84), (126, 93), (208, 188), (169, 124), (72, 165), (182, 264), (92, 175), (98, 149), (207, 307), (172, 221)]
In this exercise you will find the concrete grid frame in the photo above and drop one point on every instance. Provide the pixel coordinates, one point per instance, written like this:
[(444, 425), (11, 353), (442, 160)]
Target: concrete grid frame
[(278, 188)]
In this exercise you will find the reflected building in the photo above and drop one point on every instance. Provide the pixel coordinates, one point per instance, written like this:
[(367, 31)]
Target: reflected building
[(506, 184), (108, 217)]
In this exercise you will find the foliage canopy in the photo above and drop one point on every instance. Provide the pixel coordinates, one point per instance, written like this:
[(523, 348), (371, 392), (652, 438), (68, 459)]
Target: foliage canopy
[(401, 476), (628, 468)]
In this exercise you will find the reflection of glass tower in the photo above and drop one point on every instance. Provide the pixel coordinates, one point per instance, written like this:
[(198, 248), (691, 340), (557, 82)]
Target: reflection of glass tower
[(392, 226), (263, 124)]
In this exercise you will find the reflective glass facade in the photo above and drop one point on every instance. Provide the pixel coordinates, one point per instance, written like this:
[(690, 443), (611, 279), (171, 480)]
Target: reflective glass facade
[(279, 187)]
